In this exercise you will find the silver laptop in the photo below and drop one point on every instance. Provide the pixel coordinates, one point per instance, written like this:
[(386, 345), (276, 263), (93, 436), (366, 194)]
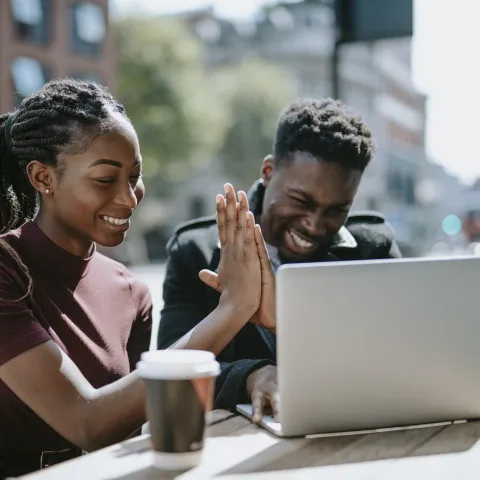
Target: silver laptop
[(376, 344)]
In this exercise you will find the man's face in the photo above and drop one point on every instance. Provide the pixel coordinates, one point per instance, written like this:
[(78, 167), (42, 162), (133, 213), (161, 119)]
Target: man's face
[(306, 202)]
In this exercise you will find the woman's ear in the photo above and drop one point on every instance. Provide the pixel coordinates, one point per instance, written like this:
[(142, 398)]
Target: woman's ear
[(41, 177)]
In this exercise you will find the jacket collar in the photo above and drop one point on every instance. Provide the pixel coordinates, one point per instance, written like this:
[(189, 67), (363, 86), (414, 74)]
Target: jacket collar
[(343, 239)]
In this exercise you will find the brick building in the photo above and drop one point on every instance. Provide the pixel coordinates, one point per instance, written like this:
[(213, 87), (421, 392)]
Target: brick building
[(45, 39)]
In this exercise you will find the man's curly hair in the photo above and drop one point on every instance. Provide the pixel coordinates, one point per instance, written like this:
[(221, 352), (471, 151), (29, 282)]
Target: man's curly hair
[(326, 129)]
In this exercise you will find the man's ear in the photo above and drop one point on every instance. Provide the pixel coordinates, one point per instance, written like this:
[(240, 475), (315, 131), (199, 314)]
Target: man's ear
[(266, 171), (41, 177)]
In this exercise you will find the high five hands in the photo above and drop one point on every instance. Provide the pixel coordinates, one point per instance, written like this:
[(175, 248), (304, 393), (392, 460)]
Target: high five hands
[(245, 276)]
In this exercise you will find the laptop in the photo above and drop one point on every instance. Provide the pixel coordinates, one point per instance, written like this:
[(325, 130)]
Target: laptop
[(376, 344)]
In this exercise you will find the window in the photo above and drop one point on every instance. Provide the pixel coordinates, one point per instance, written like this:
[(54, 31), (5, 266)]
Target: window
[(401, 187), (410, 190), (394, 185), (28, 75), (32, 20), (88, 28)]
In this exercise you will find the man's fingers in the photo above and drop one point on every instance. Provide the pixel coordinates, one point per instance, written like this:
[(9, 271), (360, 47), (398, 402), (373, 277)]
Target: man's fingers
[(220, 217), (258, 402), (275, 403), (231, 213), (242, 208), (211, 279), (249, 246), (262, 250)]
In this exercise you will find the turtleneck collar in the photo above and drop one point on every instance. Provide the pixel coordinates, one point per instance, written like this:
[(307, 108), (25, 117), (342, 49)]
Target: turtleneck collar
[(44, 255)]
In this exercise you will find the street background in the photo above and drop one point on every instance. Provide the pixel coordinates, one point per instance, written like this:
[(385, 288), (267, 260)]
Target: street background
[(205, 81)]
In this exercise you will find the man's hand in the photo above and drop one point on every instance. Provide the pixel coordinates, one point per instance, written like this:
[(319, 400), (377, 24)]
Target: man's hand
[(263, 390), (266, 313)]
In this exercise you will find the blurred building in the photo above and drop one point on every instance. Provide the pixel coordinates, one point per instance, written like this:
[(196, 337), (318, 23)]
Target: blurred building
[(44, 39), (375, 79), (469, 213), (443, 197), (398, 122)]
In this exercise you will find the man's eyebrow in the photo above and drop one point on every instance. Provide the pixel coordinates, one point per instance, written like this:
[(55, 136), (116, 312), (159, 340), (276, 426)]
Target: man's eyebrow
[(105, 161), (309, 198), (300, 191)]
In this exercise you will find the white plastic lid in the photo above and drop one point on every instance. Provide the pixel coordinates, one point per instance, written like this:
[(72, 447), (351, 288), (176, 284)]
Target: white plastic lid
[(177, 364)]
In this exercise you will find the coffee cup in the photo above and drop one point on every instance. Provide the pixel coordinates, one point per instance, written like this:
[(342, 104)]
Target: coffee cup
[(180, 387)]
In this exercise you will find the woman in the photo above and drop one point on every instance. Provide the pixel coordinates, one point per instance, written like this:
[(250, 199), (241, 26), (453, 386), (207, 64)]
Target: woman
[(72, 322)]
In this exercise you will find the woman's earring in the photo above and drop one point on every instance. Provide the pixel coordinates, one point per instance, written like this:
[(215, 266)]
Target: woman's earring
[(47, 191)]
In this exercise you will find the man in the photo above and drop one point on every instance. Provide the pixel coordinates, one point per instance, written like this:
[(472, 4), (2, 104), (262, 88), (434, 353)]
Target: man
[(302, 204)]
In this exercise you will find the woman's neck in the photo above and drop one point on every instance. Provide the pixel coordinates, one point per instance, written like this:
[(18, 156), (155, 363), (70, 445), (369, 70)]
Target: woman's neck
[(64, 238)]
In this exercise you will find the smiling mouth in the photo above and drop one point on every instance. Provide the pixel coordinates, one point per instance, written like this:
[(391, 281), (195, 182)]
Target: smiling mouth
[(301, 242), (115, 221)]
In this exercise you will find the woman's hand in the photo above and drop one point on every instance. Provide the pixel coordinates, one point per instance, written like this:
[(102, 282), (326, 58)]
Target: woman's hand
[(239, 271), (265, 314)]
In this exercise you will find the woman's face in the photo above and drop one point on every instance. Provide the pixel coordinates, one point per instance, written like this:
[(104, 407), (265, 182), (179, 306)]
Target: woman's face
[(97, 191)]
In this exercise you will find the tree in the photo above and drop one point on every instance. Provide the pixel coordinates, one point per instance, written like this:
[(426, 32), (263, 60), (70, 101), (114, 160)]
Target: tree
[(256, 93), (161, 82)]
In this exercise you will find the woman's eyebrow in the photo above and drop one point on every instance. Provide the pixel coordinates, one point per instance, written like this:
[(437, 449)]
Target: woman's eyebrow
[(105, 161)]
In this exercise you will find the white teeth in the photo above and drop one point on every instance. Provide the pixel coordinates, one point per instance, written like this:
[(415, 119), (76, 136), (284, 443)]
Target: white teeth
[(299, 241), (116, 221)]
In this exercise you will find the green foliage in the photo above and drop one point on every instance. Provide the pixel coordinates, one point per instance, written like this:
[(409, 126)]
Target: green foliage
[(186, 116), (256, 92), (161, 82)]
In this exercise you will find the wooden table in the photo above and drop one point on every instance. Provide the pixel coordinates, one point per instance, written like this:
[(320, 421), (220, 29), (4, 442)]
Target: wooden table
[(237, 450)]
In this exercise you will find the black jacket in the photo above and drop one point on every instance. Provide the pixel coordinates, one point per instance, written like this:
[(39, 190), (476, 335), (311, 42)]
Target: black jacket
[(195, 246)]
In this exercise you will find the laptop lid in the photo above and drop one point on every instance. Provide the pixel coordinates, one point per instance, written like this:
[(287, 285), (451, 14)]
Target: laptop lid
[(377, 344)]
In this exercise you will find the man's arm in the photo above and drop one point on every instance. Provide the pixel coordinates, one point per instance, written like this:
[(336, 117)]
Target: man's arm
[(183, 304), (376, 237), (394, 251), (231, 386)]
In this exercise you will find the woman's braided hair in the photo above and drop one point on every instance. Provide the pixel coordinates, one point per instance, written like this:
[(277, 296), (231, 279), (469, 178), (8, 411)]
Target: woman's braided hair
[(54, 120)]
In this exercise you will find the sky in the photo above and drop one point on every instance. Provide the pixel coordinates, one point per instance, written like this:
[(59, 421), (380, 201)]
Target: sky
[(445, 68)]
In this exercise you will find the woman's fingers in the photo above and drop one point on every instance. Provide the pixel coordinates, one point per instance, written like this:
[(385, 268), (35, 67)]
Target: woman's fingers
[(249, 247), (242, 209), (231, 213), (236, 225), (220, 217)]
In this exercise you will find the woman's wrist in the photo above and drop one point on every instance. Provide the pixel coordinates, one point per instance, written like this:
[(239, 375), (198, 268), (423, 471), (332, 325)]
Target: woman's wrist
[(230, 308)]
